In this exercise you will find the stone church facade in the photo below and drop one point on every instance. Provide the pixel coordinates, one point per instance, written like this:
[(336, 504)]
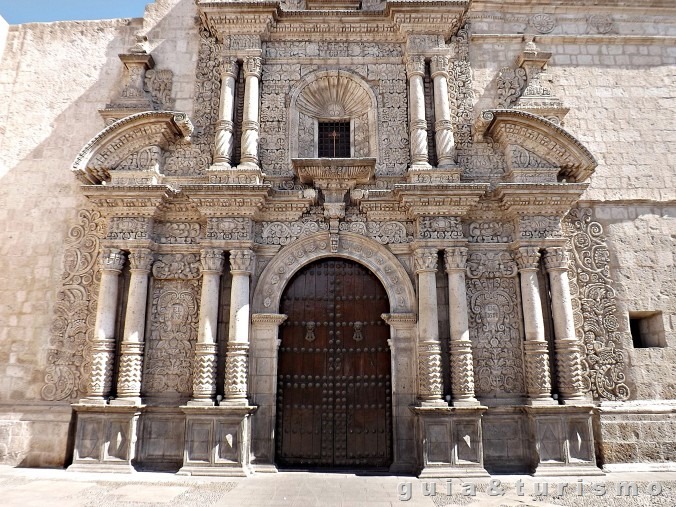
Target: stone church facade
[(434, 237)]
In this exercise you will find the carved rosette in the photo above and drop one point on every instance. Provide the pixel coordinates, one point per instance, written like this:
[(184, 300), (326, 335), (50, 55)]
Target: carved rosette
[(204, 375), (425, 260), (130, 370), (527, 258), (241, 262), (212, 261), (236, 371), (101, 379), (537, 370), (462, 370), (141, 259), (456, 259), (429, 371)]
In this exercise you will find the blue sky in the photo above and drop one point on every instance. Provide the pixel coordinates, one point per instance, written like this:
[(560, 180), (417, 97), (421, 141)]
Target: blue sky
[(27, 11)]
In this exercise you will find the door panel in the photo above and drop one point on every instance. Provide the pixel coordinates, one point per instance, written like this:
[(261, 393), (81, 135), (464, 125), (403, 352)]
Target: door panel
[(334, 392)]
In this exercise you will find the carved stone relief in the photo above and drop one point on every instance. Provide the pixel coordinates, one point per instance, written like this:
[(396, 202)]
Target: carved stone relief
[(539, 227), (510, 85), (228, 228), (69, 353), (439, 228), (172, 337), (281, 233), (495, 328), (177, 267), (177, 233), (493, 231), (595, 307), (129, 228), (383, 232), (159, 83)]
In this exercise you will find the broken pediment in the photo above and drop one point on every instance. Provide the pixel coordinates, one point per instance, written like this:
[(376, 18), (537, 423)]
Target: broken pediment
[(135, 143)]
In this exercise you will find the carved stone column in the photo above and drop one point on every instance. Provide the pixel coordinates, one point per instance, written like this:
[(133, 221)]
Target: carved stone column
[(537, 359), (250, 125), (224, 128), (568, 347), (204, 376), (100, 382), (430, 383), (462, 362), (236, 362), (415, 70), (442, 126), (131, 349)]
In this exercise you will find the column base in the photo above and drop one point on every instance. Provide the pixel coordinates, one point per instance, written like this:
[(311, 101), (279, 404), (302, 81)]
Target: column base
[(126, 402), (432, 403), (470, 402), (201, 403), (451, 441), (105, 438), (426, 174), (541, 402), (563, 440), (217, 441), (93, 402)]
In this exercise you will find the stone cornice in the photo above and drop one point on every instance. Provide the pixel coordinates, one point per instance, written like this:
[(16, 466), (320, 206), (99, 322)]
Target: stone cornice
[(227, 200), (142, 200), (548, 199), (451, 199), (542, 137), (116, 142)]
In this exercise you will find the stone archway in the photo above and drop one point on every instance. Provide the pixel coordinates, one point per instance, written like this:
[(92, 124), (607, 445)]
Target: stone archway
[(264, 343)]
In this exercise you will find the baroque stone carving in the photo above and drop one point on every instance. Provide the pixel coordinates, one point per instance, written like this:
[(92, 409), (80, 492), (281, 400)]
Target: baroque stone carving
[(543, 23), (129, 228), (539, 227), (510, 85), (228, 228), (595, 307), (283, 233), (177, 233), (177, 267), (383, 232), (491, 264), (71, 333), (601, 23), (173, 333), (425, 259), (159, 83), (439, 228), (490, 232)]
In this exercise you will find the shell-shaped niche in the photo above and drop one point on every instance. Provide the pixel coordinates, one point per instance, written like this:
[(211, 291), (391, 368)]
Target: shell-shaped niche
[(334, 96)]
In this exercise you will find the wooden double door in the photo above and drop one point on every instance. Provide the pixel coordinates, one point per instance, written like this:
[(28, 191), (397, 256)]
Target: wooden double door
[(333, 386)]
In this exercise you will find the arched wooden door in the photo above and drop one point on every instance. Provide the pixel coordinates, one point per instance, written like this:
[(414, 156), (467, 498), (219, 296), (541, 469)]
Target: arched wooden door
[(333, 386)]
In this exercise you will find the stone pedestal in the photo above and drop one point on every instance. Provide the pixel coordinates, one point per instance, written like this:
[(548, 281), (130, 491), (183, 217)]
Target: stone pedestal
[(217, 441), (563, 440), (450, 441), (105, 438)]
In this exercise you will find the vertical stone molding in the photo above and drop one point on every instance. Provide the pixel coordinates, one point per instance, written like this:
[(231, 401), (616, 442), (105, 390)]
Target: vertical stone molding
[(568, 347), (250, 124), (236, 362), (103, 350), (415, 70), (131, 348), (537, 359), (461, 359), (224, 128), (443, 129), (204, 375), (430, 383)]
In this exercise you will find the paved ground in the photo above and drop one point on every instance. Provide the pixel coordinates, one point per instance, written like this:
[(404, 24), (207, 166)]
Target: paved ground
[(40, 488)]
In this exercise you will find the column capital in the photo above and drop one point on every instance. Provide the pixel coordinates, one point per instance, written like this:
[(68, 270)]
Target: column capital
[(253, 66), (456, 258), (230, 68), (141, 259), (112, 259), (415, 65), (439, 65), (527, 258), (212, 260), (271, 319), (556, 259), (425, 259), (241, 261)]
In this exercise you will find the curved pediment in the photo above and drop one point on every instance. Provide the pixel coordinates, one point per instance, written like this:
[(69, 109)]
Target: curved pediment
[(541, 137), (141, 133)]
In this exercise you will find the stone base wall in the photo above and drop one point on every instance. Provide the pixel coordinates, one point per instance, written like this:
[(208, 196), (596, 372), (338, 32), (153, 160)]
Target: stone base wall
[(638, 434)]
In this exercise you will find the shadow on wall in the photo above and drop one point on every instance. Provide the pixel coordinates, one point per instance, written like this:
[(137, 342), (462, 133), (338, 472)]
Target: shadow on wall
[(42, 128)]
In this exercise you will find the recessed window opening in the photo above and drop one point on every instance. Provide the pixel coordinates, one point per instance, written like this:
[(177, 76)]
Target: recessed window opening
[(333, 139), (647, 329)]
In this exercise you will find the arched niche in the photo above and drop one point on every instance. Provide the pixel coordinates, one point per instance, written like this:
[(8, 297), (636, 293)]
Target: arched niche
[(135, 143), (332, 95), (545, 143), (367, 252)]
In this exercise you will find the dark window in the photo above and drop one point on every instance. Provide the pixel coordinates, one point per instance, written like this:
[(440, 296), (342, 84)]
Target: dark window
[(647, 329), (334, 139)]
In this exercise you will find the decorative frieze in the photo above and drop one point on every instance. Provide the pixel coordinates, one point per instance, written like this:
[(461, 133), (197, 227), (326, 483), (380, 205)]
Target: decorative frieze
[(440, 228), (177, 267), (229, 229), (491, 264), (129, 228), (490, 232), (177, 233), (385, 233)]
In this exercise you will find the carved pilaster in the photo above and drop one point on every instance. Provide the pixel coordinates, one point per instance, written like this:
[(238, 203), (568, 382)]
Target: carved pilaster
[(568, 347)]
